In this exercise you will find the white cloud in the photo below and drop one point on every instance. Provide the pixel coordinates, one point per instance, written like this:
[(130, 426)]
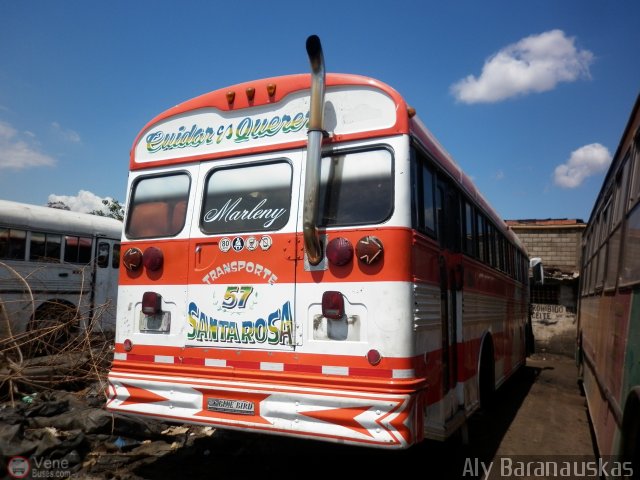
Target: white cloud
[(582, 163), (499, 175), (84, 201), (534, 64), (66, 134), (17, 153)]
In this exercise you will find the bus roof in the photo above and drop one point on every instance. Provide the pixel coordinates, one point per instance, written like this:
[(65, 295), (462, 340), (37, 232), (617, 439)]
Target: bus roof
[(55, 220), (267, 115)]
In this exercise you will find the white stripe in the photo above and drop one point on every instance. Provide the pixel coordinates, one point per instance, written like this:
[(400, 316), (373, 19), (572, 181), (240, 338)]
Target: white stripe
[(215, 362), (329, 370), (403, 373), (163, 359), (119, 356), (274, 367)]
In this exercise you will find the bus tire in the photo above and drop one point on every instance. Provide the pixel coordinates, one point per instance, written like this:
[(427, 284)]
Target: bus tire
[(486, 374), (630, 446), (52, 327)]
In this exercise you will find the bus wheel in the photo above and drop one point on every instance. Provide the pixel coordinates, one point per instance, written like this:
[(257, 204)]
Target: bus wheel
[(487, 375), (52, 328), (630, 447)]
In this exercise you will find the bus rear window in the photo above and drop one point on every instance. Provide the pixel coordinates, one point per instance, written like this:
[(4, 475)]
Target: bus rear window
[(356, 188), (248, 198), (158, 206)]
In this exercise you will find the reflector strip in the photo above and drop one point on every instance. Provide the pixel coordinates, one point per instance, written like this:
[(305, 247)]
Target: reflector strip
[(330, 370), (403, 373), (271, 366), (163, 359), (215, 362)]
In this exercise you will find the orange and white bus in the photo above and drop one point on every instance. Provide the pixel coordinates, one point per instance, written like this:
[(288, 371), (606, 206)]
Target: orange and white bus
[(301, 257)]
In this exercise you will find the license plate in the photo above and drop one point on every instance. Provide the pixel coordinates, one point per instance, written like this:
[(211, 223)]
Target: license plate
[(224, 405)]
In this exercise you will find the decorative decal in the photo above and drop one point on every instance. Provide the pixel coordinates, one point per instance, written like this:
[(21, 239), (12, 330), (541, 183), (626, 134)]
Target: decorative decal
[(247, 128), (231, 212), (276, 328), (224, 245), (240, 266), (266, 242), (238, 244), (252, 243), (236, 297)]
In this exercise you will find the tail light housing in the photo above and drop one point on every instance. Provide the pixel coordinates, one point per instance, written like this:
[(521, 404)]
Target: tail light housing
[(132, 259), (339, 251), (374, 357), (332, 305), (151, 303), (153, 259), (369, 250)]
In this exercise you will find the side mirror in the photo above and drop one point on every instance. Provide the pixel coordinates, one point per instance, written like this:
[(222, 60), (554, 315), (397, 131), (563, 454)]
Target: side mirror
[(537, 270)]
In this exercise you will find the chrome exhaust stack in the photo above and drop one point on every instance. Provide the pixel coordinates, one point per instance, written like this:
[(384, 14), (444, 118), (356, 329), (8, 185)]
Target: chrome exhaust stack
[(312, 245)]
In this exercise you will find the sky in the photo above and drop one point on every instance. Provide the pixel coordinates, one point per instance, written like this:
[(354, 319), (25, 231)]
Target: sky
[(529, 97)]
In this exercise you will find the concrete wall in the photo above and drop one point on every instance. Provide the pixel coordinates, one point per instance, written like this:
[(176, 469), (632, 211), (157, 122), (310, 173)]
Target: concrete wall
[(558, 243), (558, 248)]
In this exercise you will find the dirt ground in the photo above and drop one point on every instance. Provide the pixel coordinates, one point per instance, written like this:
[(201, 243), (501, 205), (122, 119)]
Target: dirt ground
[(538, 412)]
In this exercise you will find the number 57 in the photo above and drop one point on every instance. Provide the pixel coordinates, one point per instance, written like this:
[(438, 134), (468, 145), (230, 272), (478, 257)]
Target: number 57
[(236, 297)]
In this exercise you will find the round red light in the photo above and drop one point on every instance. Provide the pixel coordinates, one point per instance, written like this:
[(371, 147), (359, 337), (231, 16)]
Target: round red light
[(128, 345), (132, 259), (153, 259), (374, 357), (369, 250), (339, 251)]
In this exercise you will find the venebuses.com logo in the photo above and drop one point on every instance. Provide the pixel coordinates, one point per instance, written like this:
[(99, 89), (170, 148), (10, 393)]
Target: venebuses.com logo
[(21, 467)]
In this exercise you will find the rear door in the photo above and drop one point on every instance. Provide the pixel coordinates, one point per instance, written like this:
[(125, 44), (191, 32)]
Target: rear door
[(105, 289), (241, 287)]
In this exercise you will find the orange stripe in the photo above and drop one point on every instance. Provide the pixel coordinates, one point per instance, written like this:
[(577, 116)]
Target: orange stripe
[(345, 417), (362, 384), (293, 358), (285, 253), (139, 395)]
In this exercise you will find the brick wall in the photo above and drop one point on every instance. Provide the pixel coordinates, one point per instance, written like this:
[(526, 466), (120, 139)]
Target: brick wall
[(559, 246)]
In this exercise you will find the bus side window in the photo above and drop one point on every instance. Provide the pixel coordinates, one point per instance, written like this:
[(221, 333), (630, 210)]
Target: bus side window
[(427, 198), (45, 247), (103, 254), (13, 244), (77, 249), (115, 260)]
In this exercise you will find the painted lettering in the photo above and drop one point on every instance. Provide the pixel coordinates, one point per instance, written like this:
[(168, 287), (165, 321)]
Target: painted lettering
[(276, 330)]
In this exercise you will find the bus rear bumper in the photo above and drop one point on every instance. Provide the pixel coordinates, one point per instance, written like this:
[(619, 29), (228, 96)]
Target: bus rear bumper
[(353, 417)]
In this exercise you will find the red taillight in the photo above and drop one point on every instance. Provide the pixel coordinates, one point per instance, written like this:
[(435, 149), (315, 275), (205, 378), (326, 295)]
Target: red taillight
[(369, 250), (339, 251), (132, 259), (374, 357), (153, 259), (128, 345), (332, 305), (151, 303)]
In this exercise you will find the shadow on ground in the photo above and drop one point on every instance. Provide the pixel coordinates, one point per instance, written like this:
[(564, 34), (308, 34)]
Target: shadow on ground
[(230, 454)]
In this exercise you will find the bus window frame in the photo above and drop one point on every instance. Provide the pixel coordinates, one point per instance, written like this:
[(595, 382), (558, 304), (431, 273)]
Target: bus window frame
[(216, 168), (392, 175), (130, 210)]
